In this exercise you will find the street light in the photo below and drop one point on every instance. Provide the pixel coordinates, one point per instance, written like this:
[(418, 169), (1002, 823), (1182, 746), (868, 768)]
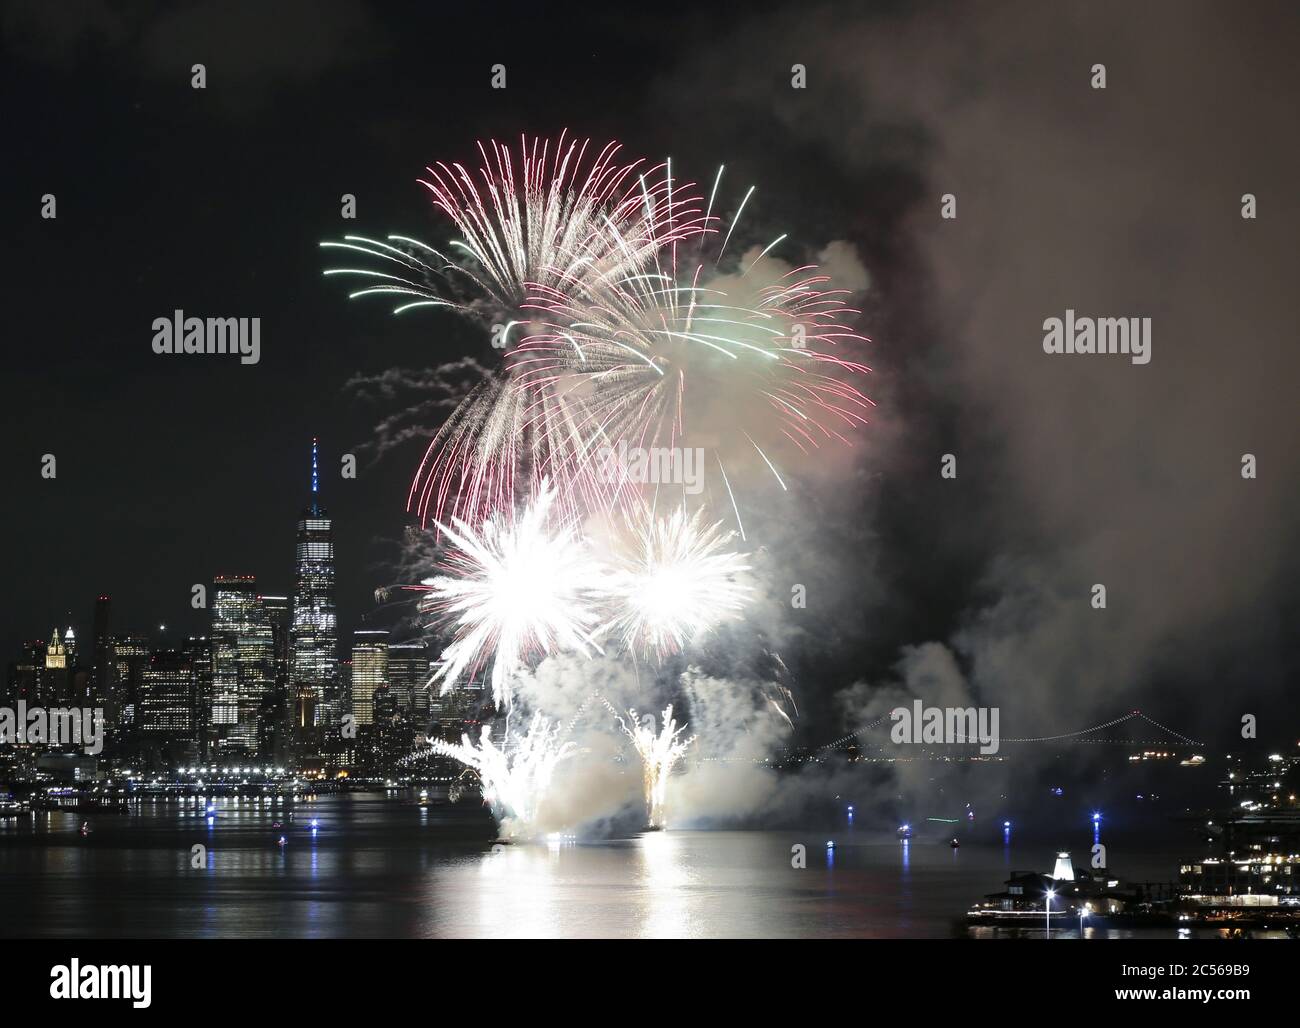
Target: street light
[(1050, 894), (1084, 911)]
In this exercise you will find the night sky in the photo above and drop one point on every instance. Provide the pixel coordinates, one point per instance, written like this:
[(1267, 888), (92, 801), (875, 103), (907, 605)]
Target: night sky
[(1072, 470)]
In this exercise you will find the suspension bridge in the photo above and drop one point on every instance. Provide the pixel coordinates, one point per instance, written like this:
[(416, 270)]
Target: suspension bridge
[(1107, 733)]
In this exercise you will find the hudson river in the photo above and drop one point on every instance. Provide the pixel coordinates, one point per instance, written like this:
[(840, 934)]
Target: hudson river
[(377, 866)]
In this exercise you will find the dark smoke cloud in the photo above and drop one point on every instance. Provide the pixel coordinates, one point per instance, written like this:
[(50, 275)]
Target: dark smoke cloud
[(1072, 470), (418, 400)]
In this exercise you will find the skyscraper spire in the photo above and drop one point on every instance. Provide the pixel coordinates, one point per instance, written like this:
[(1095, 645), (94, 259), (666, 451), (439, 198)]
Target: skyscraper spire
[(313, 630), (315, 478)]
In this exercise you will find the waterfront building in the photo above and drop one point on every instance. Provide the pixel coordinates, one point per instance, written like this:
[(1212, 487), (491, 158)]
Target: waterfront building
[(30, 680), (408, 679), (369, 672), (168, 698), (235, 617), (1034, 899), (130, 655), (198, 649), (103, 682), (1258, 879), (314, 669), (58, 669)]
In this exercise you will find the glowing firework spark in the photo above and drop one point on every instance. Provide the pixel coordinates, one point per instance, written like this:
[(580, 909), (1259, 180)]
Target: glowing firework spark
[(544, 219), (677, 582), (659, 752), (620, 326), (515, 590), (516, 777), (683, 349)]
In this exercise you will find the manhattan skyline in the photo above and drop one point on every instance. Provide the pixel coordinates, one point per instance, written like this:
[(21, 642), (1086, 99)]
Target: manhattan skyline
[(164, 620), (1072, 471), (816, 470)]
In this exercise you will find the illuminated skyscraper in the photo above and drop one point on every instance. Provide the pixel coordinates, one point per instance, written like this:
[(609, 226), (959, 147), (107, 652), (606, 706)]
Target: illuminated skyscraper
[(55, 656), (256, 648), (102, 668), (168, 696), (198, 648), (408, 678), (275, 721), (59, 658), (234, 625), (130, 657), (369, 672), (313, 633), (278, 614), (70, 647)]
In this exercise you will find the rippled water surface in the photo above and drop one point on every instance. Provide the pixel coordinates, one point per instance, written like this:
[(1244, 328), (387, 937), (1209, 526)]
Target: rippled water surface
[(383, 866)]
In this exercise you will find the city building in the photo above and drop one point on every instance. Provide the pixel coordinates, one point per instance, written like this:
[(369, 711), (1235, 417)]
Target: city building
[(408, 679), (130, 656), (458, 711), (278, 611), (29, 679), (56, 657), (275, 717), (369, 672), (198, 649), (313, 634), (102, 660), (168, 697), (241, 645), (391, 734)]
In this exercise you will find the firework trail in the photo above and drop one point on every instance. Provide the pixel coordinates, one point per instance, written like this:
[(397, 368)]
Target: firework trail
[(677, 582), (545, 219), (515, 590), (620, 325), (515, 777), (659, 753), (542, 218), (657, 350), (628, 321)]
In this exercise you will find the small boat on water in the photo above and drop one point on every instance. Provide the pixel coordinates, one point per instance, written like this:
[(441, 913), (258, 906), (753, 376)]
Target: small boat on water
[(954, 844), (904, 831)]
